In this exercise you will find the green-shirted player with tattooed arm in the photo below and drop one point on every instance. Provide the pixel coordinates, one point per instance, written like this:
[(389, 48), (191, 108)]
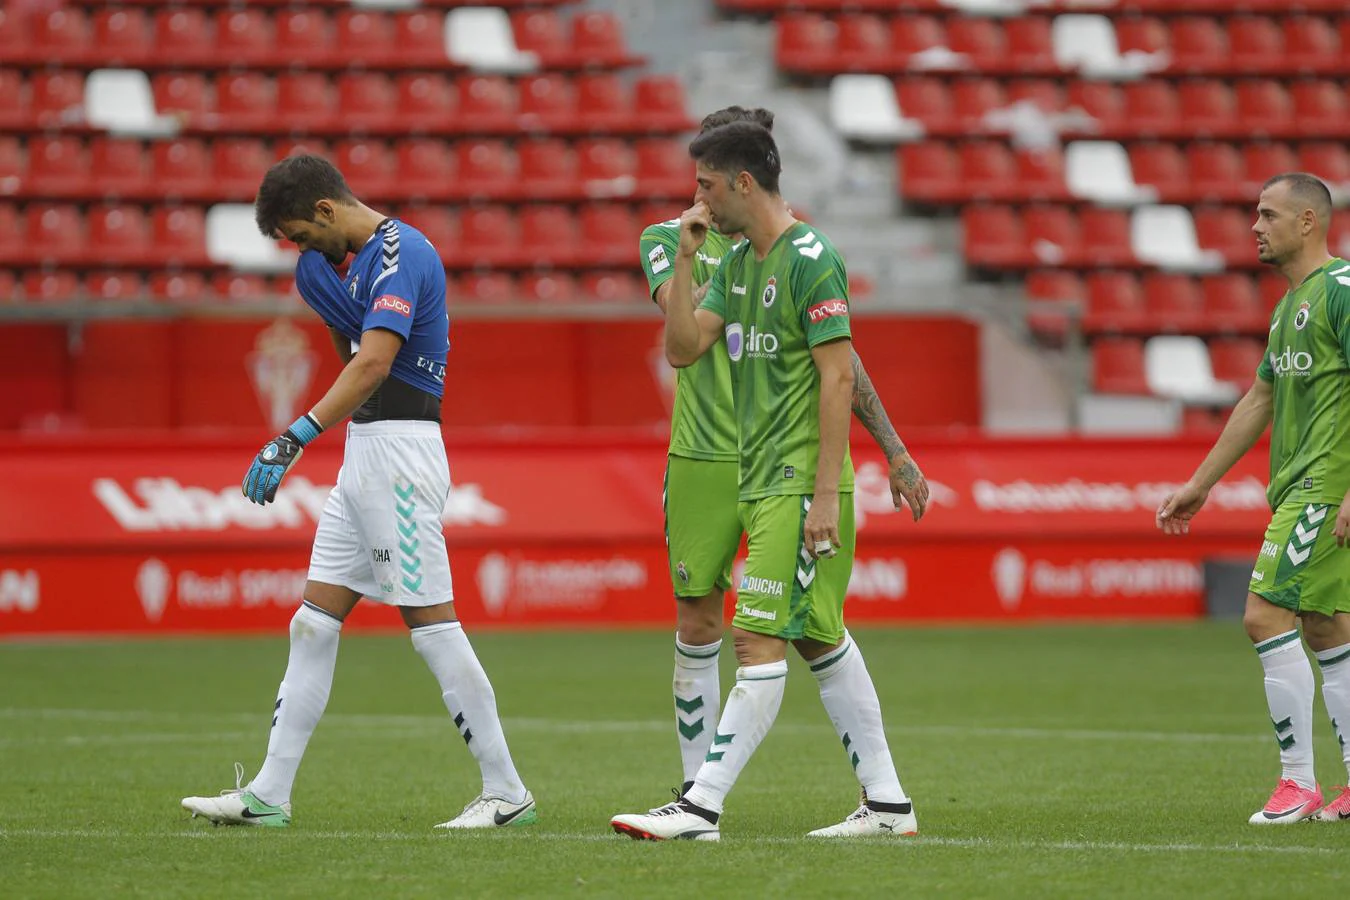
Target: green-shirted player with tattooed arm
[(781, 299), (703, 530), (1301, 389)]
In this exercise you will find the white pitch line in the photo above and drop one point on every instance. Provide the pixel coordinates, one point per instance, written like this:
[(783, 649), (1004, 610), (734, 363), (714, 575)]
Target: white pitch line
[(1118, 847), (391, 723)]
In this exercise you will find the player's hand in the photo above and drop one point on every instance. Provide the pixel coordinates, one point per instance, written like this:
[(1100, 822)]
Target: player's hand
[(694, 224), (1174, 515), (275, 459), (1342, 528), (820, 532), (908, 485)]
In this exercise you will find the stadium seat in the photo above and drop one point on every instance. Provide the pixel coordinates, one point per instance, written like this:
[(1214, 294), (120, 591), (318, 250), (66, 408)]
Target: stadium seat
[(1118, 366), (368, 166), (117, 166), (1216, 172), (865, 108), (548, 169), (487, 104), (57, 97), (13, 167), (1177, 367), (927, 100), (14, 40), (602, 102), (364, 38), (238, 165), (59, 286), (1320, 108), (910, 35), (1102, 172), (973, 99), (659, 103), (606, 167), (1145, 34), (182, 33), (1053, 236), (177, 287), (539, 31), (12, 250), (1151, 108), (366, 101), (426, 168), (438, 223), (1165, 236), (930, 172), (183, 94), (1054, 297), (178, 234), (1256, 44), (1115, 303), (1086, 43), (60, 35), (240, 287), (119, 235), (1312, 44), (486, 168), (1228, 232), (245, 101), (297, 146), (550, 234), (419, 38), (862, 43), (1264, 108), (480, 37), (548, 287), (424, 102), (980, 40), (53, 233), (993, 237), (547, 103), (488, 236), (1044, 93), (1031, 44), (1327, 160), (612, 226), (1262, 161), (1271, 288), (1163, 167), (58, 166), (612, 287), (306, 101), (306, 35), (1208, 108), (1173, 303), (181, 167), (114, 285), (1235, 359), (486, 287), (1106, 237), (805, 42), (663, 168), (597, 39), (1101, 100), (988, 172), (122, 36), (1198, 44), (244, 36), (13, 100)]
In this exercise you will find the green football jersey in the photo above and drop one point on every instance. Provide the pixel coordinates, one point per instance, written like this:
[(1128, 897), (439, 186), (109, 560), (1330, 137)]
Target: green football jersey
[(702, 424), (1306, 364), (775, 311)]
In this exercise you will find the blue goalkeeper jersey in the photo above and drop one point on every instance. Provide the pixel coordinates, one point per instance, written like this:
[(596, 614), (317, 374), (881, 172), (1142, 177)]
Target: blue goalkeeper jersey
[(395, 282)]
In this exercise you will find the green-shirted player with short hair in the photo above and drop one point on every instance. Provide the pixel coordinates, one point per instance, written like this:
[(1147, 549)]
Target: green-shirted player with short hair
[(780, 297), (1302, 572), (703, 529)]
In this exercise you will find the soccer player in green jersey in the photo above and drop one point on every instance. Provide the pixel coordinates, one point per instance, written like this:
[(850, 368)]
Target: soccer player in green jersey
[(703, 530), (1302, 573), (781, 301)]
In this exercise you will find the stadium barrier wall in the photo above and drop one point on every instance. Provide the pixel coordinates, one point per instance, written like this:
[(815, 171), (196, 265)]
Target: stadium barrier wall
[(151, 534)]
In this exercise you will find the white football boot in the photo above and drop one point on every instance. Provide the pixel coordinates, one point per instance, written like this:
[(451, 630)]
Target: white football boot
[(494, 812)]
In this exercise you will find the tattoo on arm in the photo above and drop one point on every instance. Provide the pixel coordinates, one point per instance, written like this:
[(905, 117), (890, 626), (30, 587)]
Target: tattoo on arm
[(868, 408)]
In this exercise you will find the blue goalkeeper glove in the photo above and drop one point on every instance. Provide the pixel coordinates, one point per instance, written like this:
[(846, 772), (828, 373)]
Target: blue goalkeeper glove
[(275, 459)]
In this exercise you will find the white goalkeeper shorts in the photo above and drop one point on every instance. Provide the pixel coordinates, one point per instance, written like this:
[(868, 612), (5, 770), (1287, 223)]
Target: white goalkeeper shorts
[(380, 531)]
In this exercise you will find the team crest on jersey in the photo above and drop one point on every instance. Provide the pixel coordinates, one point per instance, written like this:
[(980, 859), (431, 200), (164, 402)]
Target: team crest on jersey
[(356, 281), (1301, 317), (770, 292)]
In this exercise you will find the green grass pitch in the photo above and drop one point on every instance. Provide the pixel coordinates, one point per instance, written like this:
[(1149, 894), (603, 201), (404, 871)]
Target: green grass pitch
[(1044, 762)]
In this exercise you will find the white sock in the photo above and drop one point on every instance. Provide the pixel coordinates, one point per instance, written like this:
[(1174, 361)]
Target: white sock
[(851, 701), (469, 698), (1335, 665), (698, 694), (1289, 692), (750, 710), (300, 702)]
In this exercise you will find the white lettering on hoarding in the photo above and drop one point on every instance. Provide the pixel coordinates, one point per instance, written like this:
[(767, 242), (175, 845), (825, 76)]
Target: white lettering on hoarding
[(20, 590), (510, 581), (1076, 495)]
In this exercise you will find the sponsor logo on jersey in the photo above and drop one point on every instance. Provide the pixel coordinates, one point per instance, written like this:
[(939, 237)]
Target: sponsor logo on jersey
[(709, 260), (393, 304), (1301, 317), (827, 309), (789, 471), (658, 259), (754, 343), (1292, 362), (756, 613), (770, 292), (738, 289), (765, 586), (1270, 549)]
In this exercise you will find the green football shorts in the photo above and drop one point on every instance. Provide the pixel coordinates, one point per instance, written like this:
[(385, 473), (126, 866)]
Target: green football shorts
[(1300, 567), (703, 531), (784, 592)]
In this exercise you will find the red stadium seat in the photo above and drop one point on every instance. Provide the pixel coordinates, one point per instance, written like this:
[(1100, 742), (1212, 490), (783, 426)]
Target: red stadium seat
[(551, 235), (53, 231), (13, 166), (9, 287), (122, 36), (1207, 107), (925, 99), (548, 169), (1146, 34), (1264, 108), (114, 285), (486, 287), (1217, 171), (612, 226), (1312, 44), (602, 101), (1263, 161), (1338, 240), (1198, 44), (1030, 45), (487, 104), (1101, 100), (597, 38), (988, 171), (1256, 44), (184, 93), (548, 287), (306, 35), (177, 287), (1040, 174), (183, 33), (1162, 166), (14, 40), (50, 287), (1151, 107), (993, 237), (424, 101), (118, 234), (862, 43), (364, 38), (488, 236), (982, 40), (61, 34), (1319, 106), (915, 34), (1173, 303), (1106, 237), (1232, 304), (238, 165), (306, 100), (11, 234), (930, 172), (367, 100), (606, 166), (13, 100), (1236, 359), (664, 168), (181, 167), (1054, 296), (1226, 230), (246, 100), (117, 166), (1115, 303), (1271, 287), (240, 287), (486, 168), (1328, 161), (438, 223), (612, 287), (58, 166), (244, 35), (659, 103), (426, 168), (539, 31), (804, 41), (1052, 235), (368, 167), (1118, 366), (297, 146), (419, 37), (547, 103), (57, 97), (973, 98), (178, 234), (1043, 92)]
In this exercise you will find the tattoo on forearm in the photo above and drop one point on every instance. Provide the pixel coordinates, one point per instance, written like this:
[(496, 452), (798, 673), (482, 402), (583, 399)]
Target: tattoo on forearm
[(868, 408)]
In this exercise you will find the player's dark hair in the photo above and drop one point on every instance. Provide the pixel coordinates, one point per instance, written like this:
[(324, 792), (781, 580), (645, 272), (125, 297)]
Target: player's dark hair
[(740, 147), (292, 187), (725, 116), (1307, 192)]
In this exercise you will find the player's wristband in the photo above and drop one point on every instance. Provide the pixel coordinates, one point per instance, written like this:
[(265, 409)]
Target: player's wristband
[(305, 429)]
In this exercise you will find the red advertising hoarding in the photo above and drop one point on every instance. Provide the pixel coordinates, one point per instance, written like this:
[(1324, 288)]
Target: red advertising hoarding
[(132, 537)]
